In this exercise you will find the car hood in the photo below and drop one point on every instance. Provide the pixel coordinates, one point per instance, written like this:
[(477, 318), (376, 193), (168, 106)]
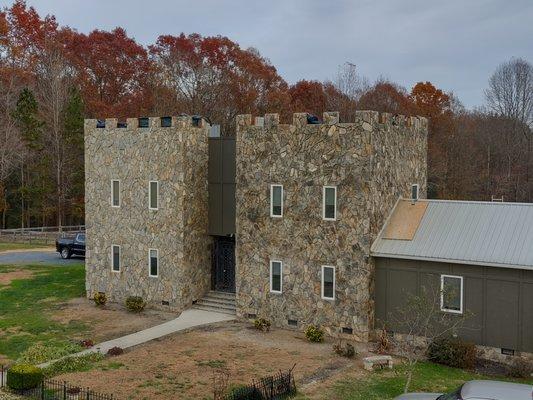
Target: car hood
[(418, 396)]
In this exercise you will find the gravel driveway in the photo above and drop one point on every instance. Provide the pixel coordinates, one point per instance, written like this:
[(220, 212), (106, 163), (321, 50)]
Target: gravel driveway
[(36, 257)]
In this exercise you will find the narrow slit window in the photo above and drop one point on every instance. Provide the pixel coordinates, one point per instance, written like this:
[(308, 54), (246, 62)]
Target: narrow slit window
[(276, 200), (414, 192), (451, 294), (115, 193), (328, 282), (153, 195), (276, 272), (153, 262), (115, 258), (329, 200)]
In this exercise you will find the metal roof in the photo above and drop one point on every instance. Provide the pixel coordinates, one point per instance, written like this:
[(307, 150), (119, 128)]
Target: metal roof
[(467, 232)]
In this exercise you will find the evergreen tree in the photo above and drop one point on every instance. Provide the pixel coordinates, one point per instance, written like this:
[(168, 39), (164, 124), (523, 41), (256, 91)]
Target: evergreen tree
[(27, 120)]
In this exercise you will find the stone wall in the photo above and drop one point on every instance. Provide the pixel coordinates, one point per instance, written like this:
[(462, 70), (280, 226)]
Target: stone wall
[(175, 156), (371, 162)]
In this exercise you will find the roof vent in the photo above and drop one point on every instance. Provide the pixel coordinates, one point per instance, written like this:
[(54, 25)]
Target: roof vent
[(312, 119)]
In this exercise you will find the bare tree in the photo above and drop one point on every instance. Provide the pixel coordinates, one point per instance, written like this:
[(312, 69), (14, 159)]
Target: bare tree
[(510, 94), (349, 82), (420, 321)]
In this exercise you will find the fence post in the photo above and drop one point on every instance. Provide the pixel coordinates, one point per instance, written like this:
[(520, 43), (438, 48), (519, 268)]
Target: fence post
[(64, 390), (42, 389)]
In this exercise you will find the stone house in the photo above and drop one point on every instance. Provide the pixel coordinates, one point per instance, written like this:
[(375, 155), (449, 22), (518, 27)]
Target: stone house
[(280, 218)]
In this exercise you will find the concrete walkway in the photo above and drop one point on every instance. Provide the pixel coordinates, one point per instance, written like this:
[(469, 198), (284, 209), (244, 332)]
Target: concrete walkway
[(190, 318)]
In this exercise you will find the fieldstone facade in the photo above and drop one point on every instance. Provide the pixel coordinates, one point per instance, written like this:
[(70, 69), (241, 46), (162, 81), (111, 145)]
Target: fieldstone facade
[(371, 162), (176, 157)]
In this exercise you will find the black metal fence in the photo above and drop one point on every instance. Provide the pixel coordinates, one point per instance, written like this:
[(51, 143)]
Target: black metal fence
[(53, 390), (279, 386)]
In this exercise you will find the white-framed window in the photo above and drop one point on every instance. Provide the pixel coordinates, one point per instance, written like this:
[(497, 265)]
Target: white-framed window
[(451, 293), (415, 188), (276, 201), (328, 282), (153, 195), (115, 193), (153, 262), (329, 203), (115, 258), (276, 276)]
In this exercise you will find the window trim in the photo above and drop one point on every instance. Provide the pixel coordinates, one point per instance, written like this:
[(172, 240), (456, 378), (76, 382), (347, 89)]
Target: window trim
[(119, 194), (113, 258), (334, 282), (150, 264), (324, 188), (461, 302), (150, 195), (280, 276), (272, 215)]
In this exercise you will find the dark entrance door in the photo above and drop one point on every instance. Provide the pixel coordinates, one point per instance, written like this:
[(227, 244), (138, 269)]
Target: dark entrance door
[(223, 269)]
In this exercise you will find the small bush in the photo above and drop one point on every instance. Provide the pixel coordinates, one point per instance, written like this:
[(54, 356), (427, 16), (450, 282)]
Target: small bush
[(100, 299), (383, 345), (86, 343), (135, 304), (520, 368), (345, 350), (262, 324), (314, 334), (115, 351), (39, 352), (24, 376), (453, 352)]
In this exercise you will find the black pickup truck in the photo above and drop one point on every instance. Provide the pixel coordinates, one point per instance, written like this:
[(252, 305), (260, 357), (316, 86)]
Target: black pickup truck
[(71, 245)]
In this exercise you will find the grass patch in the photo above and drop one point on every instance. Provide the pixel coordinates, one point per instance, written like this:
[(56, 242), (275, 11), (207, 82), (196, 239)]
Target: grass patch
[(27, 305), (428, 377), (82, 363), (4, 246)]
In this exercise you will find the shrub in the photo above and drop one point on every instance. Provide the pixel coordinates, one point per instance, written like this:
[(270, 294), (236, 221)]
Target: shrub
[(86, 343), (520, 368), (135, 304), (73, 364), (24, 376), (262, 324), (100, 299), (453, 352), (314, 334), (345, 350), (39, 352), (115, 351)]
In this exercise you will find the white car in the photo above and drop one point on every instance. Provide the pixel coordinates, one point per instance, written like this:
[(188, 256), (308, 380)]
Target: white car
[(478, 390)]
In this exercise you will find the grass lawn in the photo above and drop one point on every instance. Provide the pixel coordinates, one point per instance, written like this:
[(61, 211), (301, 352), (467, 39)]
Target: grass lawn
[(27, 303), (22, 246), (386, 384)]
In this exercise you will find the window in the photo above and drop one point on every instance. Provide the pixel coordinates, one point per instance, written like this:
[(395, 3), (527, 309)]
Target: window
[(153, 195), (115, 193), (451, 293), (81, 237), (329, 201), (276, 272), (414, 192), (153, 262), (276, 200), (115, 258), (328, 282)]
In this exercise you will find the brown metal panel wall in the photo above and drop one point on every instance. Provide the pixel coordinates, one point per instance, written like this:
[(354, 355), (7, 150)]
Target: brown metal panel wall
[(499, 299), (222, 186)]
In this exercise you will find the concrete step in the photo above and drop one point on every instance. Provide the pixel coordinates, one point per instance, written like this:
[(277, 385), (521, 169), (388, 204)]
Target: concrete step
[(211, 303), (221, 295), (213, 309)]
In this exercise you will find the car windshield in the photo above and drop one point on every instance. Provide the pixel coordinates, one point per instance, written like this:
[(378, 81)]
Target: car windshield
[(455, 395), (81, 237)]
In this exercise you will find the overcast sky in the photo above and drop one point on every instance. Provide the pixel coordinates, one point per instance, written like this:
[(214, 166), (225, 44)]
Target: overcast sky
[(456, 44)]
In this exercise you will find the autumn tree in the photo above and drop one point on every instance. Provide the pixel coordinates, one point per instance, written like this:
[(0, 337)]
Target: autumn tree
[(385, 96), (214, 77)]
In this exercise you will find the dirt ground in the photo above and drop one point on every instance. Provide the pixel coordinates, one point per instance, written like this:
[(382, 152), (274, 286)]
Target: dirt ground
[(109, 322), (7, 277), (182, 366)]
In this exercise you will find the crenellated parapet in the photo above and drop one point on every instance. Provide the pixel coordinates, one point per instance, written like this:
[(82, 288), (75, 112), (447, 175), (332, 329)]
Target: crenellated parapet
[(182, 121)]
